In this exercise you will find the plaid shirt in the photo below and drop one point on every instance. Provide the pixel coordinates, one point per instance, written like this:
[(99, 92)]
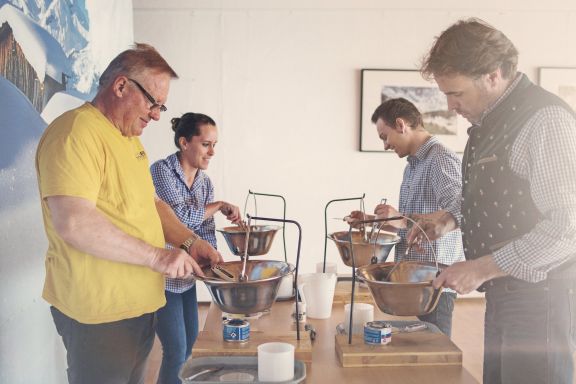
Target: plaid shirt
[(188, 204), (432, 181), (544, 154)]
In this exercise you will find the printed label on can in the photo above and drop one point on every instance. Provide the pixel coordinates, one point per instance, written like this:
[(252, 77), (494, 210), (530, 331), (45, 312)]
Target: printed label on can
[(236, 330), (377, 333)]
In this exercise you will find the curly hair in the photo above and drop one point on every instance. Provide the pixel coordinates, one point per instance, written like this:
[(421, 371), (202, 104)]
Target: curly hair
[(471, 48)]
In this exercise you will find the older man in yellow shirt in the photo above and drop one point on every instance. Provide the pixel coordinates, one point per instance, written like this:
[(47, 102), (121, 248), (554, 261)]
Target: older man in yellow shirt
[(106, 260)]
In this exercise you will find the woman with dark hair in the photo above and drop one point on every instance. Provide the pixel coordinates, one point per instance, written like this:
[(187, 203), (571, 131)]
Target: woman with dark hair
[(181, 182)]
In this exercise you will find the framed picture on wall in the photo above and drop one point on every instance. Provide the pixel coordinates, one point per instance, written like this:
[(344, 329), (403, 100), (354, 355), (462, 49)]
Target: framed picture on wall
[(378, 85), (561, 82)]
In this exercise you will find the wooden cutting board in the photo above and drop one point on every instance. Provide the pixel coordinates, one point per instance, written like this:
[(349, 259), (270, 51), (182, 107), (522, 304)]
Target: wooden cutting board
[(213, 344), (405, 349)]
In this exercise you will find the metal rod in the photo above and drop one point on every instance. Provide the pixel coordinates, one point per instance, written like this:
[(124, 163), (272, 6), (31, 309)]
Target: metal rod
[(361, 198), (353, 285), (297, 263), (254, 194), (399, 217)]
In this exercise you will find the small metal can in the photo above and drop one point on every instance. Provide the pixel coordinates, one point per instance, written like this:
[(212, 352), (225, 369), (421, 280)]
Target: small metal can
[(377, 333), (236, 330)]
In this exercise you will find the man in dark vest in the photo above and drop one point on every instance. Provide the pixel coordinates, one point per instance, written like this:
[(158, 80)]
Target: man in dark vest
[(518, 205)]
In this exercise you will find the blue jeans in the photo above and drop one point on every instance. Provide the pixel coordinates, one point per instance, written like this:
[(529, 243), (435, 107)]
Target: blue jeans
[(107, 353), (177, 329), (529, 333), (442, 315)]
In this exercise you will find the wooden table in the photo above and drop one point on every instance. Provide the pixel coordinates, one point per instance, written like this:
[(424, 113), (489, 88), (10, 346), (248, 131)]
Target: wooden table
[(325, 366)]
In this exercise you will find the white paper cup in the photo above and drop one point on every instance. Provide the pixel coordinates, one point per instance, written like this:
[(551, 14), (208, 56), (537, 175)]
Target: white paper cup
[(330, 267), (275, 362), (363, 313)]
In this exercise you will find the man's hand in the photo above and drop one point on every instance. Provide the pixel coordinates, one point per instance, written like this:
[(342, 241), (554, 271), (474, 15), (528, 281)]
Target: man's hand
[(384, 211), (357, 216), (435, 225), (204, 254), (466, 276), (231, 212), (174, 263)]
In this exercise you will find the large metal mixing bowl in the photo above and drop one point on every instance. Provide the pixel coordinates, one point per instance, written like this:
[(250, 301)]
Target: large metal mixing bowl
[(256, 294), (408, 291), (363, 250), (259, 241)]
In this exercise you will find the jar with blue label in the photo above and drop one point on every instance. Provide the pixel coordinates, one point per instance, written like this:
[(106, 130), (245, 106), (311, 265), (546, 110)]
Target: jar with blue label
[(236, 330), (377, 333)]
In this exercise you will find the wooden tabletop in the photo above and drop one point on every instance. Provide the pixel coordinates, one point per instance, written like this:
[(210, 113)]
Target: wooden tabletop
[(325, 365)]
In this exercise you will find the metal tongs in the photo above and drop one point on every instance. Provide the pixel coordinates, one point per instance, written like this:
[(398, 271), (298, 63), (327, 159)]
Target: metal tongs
[(243, 226), (242, 276), (222, 273), (375, 225)]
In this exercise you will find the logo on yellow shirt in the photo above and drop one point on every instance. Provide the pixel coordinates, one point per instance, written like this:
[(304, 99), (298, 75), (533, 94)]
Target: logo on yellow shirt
[(141, 155)]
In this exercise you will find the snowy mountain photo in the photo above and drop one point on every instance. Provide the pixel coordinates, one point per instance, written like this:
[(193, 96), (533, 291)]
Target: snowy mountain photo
[(431, 103), (51, 55)]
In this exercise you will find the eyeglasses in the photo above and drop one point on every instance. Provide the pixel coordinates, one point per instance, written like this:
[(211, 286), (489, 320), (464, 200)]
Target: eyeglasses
[(155, 104)]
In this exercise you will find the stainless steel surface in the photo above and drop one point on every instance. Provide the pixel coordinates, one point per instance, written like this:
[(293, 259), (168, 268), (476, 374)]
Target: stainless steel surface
[(408, 291), (363, 250), (260, 239), (215, 368), (203, 372), (256, 294)]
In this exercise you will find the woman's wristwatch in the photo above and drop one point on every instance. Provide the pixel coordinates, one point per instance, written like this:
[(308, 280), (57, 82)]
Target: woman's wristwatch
[(189, 242)]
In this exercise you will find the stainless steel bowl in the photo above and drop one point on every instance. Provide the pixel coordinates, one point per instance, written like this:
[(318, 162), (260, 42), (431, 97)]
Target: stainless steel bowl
[(259, 242), (363, 250), (256, 294), (408, 291)]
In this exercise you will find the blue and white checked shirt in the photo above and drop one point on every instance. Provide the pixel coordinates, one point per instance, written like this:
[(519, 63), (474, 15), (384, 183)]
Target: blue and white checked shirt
[(188, 204), (432, 181), (544, 153)]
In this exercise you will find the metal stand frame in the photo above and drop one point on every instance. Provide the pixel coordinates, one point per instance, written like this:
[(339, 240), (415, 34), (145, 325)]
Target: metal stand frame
[(254, 194), (361, 198), (295, 287), (362, 208), (354, 265)]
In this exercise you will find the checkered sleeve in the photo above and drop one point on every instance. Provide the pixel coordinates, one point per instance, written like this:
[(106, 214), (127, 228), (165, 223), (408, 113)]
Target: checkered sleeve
[(544, 154), (168, 188), (447, 183)]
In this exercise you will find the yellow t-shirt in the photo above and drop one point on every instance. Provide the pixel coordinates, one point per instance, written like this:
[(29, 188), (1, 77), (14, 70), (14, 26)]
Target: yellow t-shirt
[(82, 154)]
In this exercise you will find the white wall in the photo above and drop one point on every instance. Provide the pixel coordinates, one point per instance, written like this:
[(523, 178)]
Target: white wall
[(282, 80)]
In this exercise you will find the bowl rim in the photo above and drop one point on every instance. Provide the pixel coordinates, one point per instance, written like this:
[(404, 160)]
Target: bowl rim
[(395, 238), (212, 281), (235, 229), (419, 283)]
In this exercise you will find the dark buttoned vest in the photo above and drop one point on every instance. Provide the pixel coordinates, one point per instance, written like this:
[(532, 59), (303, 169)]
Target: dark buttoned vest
[(496, 204)]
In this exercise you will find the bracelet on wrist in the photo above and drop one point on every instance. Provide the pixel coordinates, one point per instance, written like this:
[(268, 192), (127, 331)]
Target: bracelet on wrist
[(187, 244)]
